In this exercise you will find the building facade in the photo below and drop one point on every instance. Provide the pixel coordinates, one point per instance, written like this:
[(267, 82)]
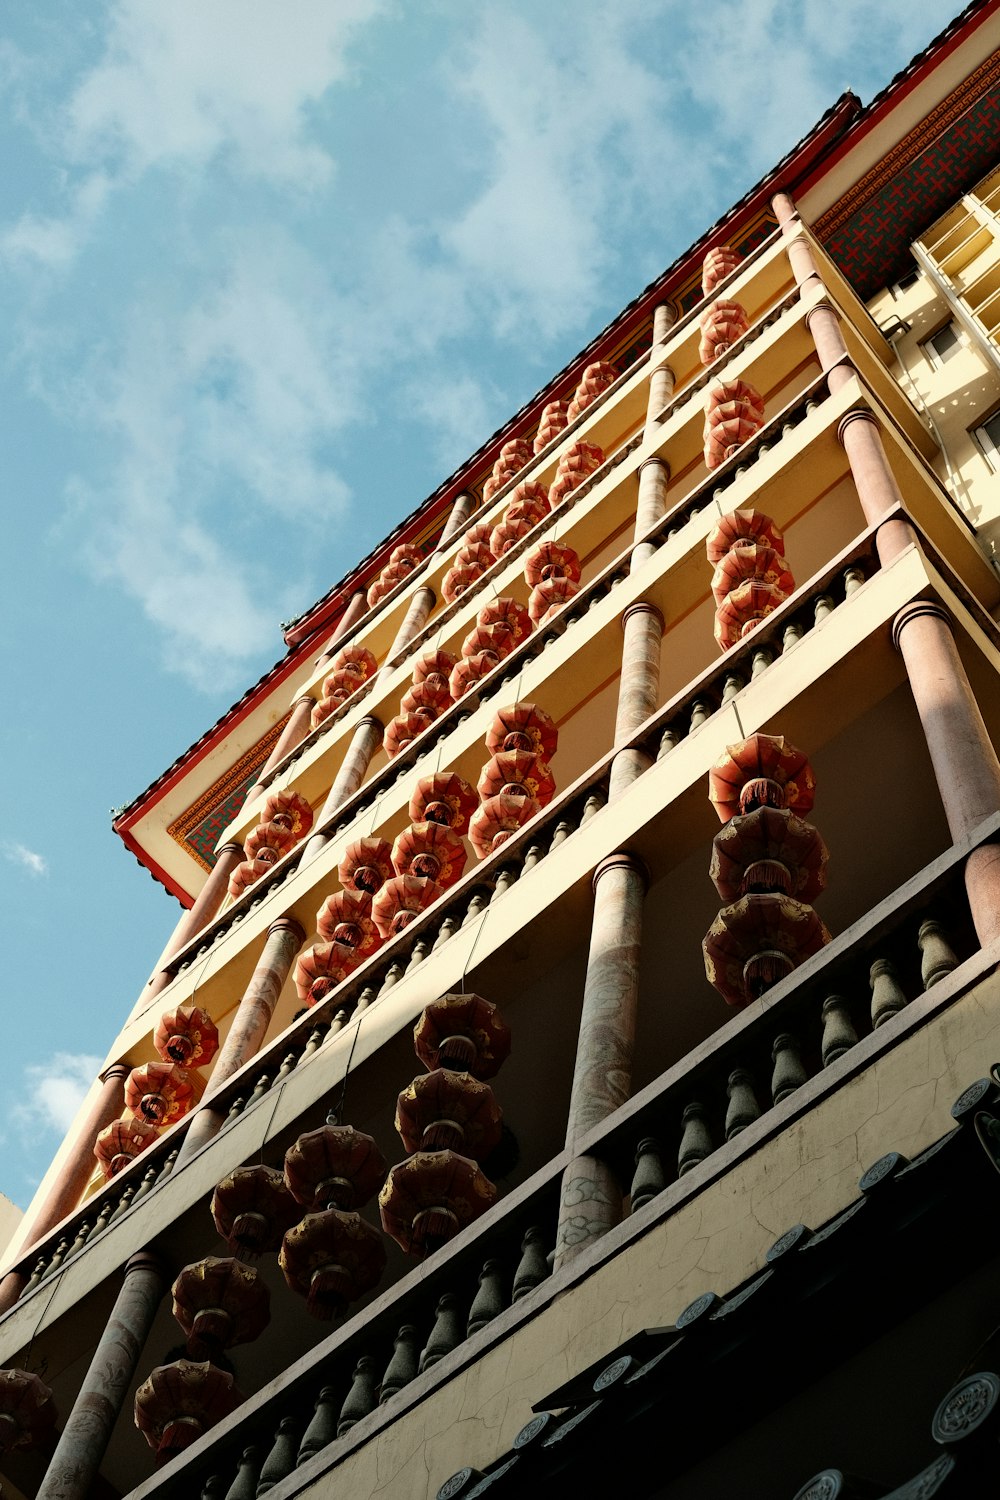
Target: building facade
[(670, 1163)]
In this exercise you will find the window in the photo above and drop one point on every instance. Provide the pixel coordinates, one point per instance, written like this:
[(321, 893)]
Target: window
[(988, 437), (941, 345), (908, 279)]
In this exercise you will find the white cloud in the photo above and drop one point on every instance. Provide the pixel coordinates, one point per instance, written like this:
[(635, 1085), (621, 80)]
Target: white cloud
[(20, 854), (55, 241), (54, 1090)]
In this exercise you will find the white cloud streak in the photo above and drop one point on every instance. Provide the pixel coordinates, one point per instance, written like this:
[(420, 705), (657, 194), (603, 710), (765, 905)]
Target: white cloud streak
[(28, 859), (53, 1092)]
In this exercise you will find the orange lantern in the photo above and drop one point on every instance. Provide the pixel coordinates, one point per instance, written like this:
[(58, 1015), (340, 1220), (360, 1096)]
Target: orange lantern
[(404, 728), (480, 556), (180, 1402), (549, 597), (186, 1035), (290, 809), (431, 1197), (428, 697), (497, 819), (553, 420), (762, 770), (595, 380), (365, 865), (247, 874), (340, 685), (319, 969), (464, 1032), (346, 917), (448, 1110), (742, 528), (27, 1411), (468, 671), (753, 562), (722, 324), (458, 579), (162, 1092), (717, 265), (431, 850), (268, 842), (478, 535), (406, 555), (551, 560), (769, 849), (358, 661), (493, 639), (335, 1166), (756, 941), (510, 616), (743, 609), (734, 412), (120, 1143), (575, 465), (252, 1208), (508, 533), (517, 773), (402, 899), (523, 726), (433, 666), (220, 1302), (445, 798), (332, 1259)]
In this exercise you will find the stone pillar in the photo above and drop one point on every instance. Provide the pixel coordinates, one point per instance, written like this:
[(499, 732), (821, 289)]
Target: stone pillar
[(249, 1028), (602, 1077), (84, 1439), (357, 607), (298, 726), (651, 506), (414, 620), (365, 742), (859, 431), (661, 381), (965, 763), (461, 513), (638, 691), (74, 1174), (205, 907)]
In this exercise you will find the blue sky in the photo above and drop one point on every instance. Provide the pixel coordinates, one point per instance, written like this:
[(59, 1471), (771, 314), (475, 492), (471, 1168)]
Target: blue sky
[(269, 269)]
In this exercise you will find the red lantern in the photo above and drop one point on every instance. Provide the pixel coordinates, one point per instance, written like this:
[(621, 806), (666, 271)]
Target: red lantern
[(448, 1110), (480, 556), (402, 899), (575, 465), (319, 969), (220, 1302), (252, 1208), (497, 819), (458, 579), (468, 671), (464, 1032), (769, 849), (404, 728), (120, 1143), (187, 1035), (551, 560), (365, 865), (549, 597), (332, 1259), (756, 941), (341, 685), (162, 1092), (431, 850), (531, 494), (763, 770), (595, 380), (346, 917), (722, 324), (290, 809), (519, 773), (428, 697), (510, 615), (323, 710), (717, 265), (742, 528), (756, 562), (495, 640), (406, 555), (478, 535), (433, 666), (27, 1411), (743, 609), (431, 1197), (334, 1167), (247, 874), (523, 726), (508, 533), (180, 1402), (734, 412), (444, 798), (268, 842), (553, 420), (356, 660)]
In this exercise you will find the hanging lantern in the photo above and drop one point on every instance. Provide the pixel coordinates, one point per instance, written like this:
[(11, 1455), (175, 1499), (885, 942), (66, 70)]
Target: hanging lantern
[(291, 810), (268, 842), (429, 698), (346, 917), (180, 1402), (517, 773), (334, 1167), (508, 533), (756, 941), (722, 324), (457, 580), (405, 728), (220, 1302), (365, 865), (332, 1259), (529, 498), (430, 850), (513, 457), (769, 849), (763, 770), (120, 1143), (406, 556), (734, 412), (247, 874), (434, 667), (445, 798), (549, 597), (27, 1411), (358, 661), (742, 528), (468, 671), (743, 609), (464, 1032), (431, 1197), (340, 685), (575, 465), (402, 899), (495, 640), (448, 1110), (480, 556), (319, 969), (478, 535), (162, 1092), (551, 560), (595, 380), (252, 1208), (753, 561), (717, 265), (391, 576), (509, 615), (497, 819), (553, 420), (523, 726), (186, 1035)]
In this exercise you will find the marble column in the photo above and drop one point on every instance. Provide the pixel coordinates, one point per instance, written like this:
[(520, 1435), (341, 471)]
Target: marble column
[(205, 908), (651, 506), (365, 741), (638, 691), (602, 1077), (461, 513), (414, 620), (246, 1035), (661, 381), (965, 763), (87, 1431)]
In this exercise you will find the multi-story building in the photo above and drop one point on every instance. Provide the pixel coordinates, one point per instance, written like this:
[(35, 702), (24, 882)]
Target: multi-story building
[(762, 1232)]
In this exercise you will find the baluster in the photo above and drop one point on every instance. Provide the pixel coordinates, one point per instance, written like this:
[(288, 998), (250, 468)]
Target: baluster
[(146, 1184), (788, 1074), (362, 1396), (367, 997), (648, 1178), (260, 1088), (315, 1039), (124, 1203), (593, 805), (169, 1164), (887, 993), (488, 1301), (701, 710), (281, 1459), (322, 1427), (762, 659), (82, 1236), (696, 1139), (937, 956), (853, 579), (668, 739), (732, 685), (393, 975), (533, 1267), (104, 1217), (562, 833), (792, 635), (446, 1334), (402, 1367), (290, 1061), (505, 879), (421, 948), (214, 1487), (58, 1258), (743, 1107), (476, 905), (532, 858), (36, 1275), (244, 1486), (839, 1035), (449, 926), (823, 606), (237, 1107)]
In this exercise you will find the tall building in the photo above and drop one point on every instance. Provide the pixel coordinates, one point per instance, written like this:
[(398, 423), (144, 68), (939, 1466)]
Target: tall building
[(717, 1248)]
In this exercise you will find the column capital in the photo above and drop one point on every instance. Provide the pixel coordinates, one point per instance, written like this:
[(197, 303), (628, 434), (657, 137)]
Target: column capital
[(148, 1261), (819, 307), (623, 859), (287, 924), (655, 459), (233, 846), (856, 414), (643, 607), (920, 608), (118, 1070)]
